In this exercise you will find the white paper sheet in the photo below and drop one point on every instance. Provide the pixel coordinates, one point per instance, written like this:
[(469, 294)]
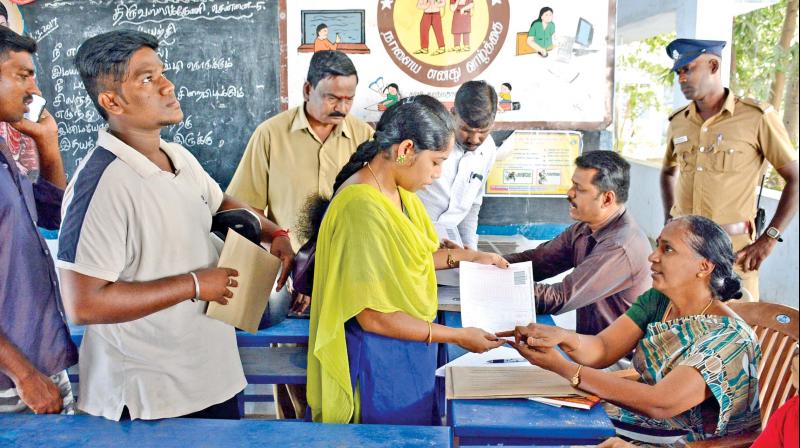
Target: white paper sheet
[(496, 299)]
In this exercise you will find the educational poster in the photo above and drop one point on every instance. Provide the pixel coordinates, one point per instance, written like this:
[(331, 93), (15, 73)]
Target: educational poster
[(551, 63), (537, 163)]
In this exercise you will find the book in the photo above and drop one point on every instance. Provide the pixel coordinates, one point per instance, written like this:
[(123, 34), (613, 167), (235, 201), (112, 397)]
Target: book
[(586, 402), (505, 381)]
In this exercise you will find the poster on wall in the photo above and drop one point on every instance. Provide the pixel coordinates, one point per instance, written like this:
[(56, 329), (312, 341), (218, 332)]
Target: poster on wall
[(537, 163), (551, 63)]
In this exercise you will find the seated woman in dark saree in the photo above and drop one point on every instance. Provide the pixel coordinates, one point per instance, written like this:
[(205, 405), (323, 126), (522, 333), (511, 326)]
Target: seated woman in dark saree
[(372, 351), (696, 358)]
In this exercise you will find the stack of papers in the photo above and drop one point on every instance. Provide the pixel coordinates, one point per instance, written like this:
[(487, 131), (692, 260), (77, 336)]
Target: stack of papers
[(505, 381)]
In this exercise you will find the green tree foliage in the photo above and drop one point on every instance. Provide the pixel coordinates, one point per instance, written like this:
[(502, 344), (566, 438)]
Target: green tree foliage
[(757, 57), (636, 99), (756, 53)]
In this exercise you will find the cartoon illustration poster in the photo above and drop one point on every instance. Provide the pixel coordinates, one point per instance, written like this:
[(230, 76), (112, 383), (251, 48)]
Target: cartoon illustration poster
[(550, 62), (535, 163)]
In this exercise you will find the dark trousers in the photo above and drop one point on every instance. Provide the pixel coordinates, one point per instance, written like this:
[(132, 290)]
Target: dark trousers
[(227, 410)]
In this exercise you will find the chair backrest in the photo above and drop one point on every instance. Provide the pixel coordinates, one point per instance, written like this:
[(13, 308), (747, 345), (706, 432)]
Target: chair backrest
[(777, 329)]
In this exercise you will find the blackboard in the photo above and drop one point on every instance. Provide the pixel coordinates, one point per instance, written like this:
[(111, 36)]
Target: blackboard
[(223, 56)]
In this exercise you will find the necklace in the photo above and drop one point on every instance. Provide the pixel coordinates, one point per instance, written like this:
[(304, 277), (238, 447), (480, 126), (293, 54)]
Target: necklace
[(375, 177), (402, 206), (707, 306), (669, 310)]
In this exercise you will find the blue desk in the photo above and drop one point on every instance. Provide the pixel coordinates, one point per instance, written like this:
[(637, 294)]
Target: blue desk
[(82, 431), (289, 331), (525, 422), (520, 421)]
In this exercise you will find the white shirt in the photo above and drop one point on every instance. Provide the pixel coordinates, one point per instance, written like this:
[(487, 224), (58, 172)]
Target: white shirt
[(454, 199), (126, 219)]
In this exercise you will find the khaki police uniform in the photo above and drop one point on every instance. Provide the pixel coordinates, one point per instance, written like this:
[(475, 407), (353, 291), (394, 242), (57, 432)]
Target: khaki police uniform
[(721, 161)]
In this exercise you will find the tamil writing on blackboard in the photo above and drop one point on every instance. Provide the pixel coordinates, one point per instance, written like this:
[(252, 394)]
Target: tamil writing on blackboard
[(184, 10), (213, 51)]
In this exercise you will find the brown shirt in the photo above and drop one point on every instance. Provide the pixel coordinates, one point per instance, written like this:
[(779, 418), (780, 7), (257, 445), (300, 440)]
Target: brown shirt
[(721, 160), (610, 271), (285, 163)]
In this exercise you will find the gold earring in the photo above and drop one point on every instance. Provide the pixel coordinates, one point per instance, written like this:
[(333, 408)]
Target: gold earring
[(401, 159), (699, 275)]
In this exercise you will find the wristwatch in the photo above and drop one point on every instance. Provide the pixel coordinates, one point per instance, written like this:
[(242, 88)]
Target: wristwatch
[(451, 260), (774, 233), (575, 381)]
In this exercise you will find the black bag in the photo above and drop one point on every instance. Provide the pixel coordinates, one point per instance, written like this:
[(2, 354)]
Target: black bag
[(303, 271)]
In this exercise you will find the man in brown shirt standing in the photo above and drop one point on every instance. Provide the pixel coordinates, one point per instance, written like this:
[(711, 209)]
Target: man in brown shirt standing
[(720, 143), (606, 249), (297, 154)]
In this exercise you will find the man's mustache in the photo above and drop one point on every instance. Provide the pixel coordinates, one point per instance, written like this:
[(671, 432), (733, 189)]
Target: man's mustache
[(337, 114)]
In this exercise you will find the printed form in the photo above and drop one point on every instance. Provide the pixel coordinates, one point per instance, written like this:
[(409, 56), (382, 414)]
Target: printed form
[(495, 299)]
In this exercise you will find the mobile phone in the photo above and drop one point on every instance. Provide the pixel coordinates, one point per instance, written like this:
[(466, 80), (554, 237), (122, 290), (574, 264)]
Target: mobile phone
[(35, 108)]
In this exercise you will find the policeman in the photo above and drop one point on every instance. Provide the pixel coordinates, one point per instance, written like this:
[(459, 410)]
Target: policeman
[(719, 142)]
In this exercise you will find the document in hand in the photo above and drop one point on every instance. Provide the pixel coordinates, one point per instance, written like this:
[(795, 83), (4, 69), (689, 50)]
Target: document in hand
[(496, 299), (257, 272)]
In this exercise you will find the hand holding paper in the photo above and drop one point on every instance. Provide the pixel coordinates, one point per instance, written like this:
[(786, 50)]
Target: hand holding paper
[(214, 283), (257, 272), (536, 335)]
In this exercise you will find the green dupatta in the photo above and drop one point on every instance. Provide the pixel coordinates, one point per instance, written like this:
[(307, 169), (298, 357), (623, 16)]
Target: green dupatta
[(369, 255)]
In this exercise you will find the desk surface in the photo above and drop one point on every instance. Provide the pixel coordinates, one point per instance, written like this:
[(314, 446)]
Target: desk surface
[(521, 421), (58, 430)]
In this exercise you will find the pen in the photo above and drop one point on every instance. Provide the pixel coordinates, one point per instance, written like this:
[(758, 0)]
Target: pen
[(504, 361)]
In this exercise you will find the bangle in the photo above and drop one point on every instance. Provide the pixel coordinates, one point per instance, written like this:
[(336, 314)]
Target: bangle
[(430, 333), (451, 261), (196, 286), (279, 233), (579, 345)]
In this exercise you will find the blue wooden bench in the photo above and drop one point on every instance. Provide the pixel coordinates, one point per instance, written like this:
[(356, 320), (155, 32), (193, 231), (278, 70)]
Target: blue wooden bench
[(289, 331), (82, 430), (262, 365)]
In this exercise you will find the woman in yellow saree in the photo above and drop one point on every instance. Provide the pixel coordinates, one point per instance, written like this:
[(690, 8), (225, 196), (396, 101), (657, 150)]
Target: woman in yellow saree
[(372, 351)]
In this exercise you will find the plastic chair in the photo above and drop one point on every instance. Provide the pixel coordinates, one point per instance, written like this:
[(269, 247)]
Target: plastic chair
[(776, 327)]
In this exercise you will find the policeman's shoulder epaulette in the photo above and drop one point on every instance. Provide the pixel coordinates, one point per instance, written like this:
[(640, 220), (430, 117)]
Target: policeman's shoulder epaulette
[(676, 112), (763, 106)]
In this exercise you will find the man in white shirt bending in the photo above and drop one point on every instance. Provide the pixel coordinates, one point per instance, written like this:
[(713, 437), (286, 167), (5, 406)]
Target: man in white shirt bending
[(454, 199)]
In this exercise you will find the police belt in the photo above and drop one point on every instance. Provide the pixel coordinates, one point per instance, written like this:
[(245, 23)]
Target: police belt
[(738, 228)]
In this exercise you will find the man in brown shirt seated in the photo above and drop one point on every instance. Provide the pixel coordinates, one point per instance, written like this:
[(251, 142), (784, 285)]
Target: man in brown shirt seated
[(606, 248)]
